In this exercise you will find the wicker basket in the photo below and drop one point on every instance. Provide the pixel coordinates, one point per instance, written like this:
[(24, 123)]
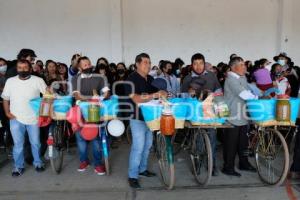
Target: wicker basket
[(154, 125)]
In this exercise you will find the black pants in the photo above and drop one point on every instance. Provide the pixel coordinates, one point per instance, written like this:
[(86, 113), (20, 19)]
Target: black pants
[(5, 128), (235, 142)]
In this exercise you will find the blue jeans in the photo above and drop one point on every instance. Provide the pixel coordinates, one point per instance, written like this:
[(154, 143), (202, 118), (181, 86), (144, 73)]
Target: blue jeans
[(18, 130), (82, 145), (142, 139)]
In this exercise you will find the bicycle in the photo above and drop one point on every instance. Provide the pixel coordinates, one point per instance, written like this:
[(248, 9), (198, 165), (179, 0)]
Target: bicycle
[(57, 141), (103, 134), (56, 144), (271, 154), (197, 143), (164, 152)]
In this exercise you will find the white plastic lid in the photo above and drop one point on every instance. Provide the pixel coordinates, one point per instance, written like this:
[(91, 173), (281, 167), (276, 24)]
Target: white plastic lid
[(167, 111)]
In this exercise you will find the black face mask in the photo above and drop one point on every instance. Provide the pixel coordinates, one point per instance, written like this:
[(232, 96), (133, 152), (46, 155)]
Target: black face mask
[(169, 71), (121, 71), (24, 74), (87, 71)]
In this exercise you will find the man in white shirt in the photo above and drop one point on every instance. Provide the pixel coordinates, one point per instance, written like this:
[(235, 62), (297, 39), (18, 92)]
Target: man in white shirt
[(17, 93)]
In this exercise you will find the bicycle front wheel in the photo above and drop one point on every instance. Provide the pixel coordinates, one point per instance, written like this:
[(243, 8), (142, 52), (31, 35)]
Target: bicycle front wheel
[(272, 157), (56, 158), (56, 154), (201, 157), (165, 157)]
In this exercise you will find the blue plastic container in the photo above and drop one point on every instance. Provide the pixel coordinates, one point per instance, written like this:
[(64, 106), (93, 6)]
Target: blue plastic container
[(152, 112), (35, 104), (179, 108), (62, 104), (295, 105), (109, 108), (262, 110), (195, 114)]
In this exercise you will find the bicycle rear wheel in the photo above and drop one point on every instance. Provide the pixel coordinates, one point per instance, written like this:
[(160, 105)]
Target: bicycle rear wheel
[(56, 154), (165, 157), (272, 157), (201, 157)]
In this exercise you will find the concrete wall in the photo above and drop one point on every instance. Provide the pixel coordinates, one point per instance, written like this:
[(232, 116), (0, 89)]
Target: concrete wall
[(294, 39), (120, 29), (55, 28)]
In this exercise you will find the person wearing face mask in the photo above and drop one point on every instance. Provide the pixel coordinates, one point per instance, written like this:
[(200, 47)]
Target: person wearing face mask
[(84, 84), (283, 60), (121, 72), (119, 89), (27, 54), (177, 66), (17, 93), (155, 71), (3, 68), (173, 85)]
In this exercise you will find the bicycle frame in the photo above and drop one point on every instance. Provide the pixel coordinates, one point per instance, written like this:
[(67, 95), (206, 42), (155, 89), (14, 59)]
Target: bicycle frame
[(103, 135)]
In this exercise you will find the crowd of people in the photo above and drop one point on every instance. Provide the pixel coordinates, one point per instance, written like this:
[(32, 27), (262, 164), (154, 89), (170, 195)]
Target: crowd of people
[(26, 78)]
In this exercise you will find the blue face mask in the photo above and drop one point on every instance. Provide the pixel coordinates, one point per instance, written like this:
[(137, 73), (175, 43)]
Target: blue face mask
[(281, 62), (3, 69), (178, 71)]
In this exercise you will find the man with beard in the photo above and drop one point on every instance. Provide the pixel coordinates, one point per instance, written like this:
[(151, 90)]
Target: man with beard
[(17, 93), (209, 82)]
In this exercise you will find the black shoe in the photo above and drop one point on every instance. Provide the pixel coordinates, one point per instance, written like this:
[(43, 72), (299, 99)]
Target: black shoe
[(231, 173), (248, 168), (215, 171), (134, 183), (40, 169), (17, 172), (147, 174)]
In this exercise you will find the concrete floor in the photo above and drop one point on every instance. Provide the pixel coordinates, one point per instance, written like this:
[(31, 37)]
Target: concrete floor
[(87, 185)]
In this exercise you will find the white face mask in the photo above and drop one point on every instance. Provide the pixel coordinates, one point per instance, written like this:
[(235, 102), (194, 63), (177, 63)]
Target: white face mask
[(3, 69), (281, 62), (153, 72), (269, 66)]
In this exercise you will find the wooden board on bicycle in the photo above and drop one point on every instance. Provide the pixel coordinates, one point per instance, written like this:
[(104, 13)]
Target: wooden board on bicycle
[(188, 124)]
